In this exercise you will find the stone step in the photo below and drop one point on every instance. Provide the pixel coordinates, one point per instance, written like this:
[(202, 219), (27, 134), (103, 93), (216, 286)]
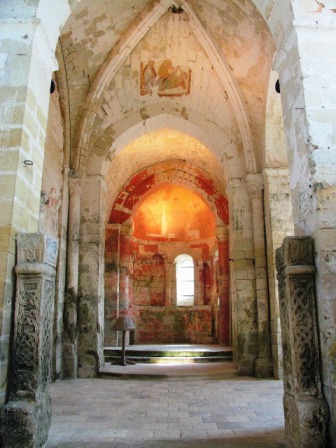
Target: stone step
[(168, 356), (208, 371)]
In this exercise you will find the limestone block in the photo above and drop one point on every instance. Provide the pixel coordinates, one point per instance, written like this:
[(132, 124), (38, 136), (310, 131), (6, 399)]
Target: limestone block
[(306, 422), (25, 424), (325, 239)]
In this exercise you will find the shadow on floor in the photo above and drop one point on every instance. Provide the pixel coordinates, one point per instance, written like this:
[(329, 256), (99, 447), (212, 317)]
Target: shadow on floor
[(273, 439)]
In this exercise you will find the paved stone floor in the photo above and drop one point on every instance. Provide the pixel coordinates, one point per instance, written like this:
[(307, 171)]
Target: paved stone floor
[(167, 413)]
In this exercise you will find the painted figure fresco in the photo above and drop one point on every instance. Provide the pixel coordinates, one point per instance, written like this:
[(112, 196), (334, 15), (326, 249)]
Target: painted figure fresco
[(167, 81)]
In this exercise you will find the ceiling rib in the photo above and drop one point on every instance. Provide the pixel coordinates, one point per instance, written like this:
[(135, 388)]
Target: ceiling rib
[(115, 59), (236, 97), (124, 49)]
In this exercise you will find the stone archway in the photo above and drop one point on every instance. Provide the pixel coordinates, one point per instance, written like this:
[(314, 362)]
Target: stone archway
[(132, 258), (304, 103)]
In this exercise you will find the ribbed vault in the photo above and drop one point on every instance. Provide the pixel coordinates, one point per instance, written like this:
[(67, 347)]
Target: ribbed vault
[(229, 77)]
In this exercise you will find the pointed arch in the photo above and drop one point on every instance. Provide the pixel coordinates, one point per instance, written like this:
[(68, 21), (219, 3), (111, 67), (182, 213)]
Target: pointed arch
[(126, 46), (116, 58), (230, 84)]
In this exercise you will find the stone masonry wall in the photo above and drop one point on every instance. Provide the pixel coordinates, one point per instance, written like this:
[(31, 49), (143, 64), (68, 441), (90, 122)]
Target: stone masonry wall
[(24, 96), (307, 68), (53, 214)]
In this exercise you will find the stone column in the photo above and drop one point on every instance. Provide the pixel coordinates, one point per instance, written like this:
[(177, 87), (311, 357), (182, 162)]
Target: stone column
[(306, 413), (111, 282), (167, 277), (125, 281), (173, 293), (244, 323), (91, 277), (124, 277), (70, 359), (263, 365), (223, 285), (199, 283), (26, 417), (207, 275)]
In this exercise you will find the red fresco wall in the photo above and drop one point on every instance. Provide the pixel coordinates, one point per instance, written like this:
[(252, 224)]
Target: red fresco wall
[(165, 220), (172, 325)]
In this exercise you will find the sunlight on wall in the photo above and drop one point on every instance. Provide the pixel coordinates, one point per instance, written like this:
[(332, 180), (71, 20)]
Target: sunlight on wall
[(175, 213)]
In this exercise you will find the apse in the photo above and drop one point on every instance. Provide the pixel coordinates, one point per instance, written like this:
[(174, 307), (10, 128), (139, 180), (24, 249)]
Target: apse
[(173, 213)]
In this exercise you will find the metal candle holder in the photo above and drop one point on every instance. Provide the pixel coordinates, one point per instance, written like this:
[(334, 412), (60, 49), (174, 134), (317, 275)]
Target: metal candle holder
[(124, 323)]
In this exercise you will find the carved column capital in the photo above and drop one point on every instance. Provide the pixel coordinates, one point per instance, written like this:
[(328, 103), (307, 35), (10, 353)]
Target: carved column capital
[(255, 185), (75, 186), (36, 248), (232, 186)]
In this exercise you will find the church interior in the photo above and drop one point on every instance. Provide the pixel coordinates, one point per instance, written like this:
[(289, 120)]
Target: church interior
[(172, 164)]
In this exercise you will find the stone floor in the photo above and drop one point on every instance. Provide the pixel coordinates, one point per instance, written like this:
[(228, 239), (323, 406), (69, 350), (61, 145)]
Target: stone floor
[(172, 412)]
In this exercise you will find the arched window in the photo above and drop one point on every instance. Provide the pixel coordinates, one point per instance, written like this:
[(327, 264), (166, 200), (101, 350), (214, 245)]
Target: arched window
[(184, 280)]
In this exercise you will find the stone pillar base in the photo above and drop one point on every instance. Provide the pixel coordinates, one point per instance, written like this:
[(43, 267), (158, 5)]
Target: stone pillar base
[(69, 360), (25, 424), (246, 367), (88, 368), (307, 425), (263, 368)]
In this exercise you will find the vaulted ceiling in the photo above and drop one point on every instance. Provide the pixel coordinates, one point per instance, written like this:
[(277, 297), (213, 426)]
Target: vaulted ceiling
[(197, 70)]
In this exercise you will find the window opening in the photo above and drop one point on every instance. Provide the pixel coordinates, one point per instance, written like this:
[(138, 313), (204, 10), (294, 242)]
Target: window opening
[(185, 283)]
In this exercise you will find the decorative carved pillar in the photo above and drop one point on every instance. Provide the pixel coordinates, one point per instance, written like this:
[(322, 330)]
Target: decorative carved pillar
[(26, 417), (223, 285), (263, 364), (306, 413), (70, 331)]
